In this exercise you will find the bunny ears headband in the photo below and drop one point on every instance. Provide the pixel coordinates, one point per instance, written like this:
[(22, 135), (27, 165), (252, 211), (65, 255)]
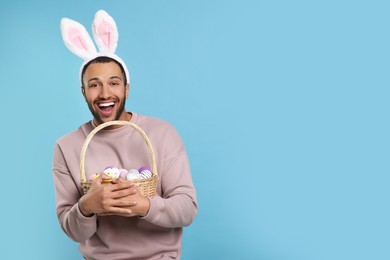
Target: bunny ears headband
[(105, 33)]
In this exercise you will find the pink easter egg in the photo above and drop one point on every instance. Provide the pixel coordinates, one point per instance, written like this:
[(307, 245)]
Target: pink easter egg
[(123, 173)]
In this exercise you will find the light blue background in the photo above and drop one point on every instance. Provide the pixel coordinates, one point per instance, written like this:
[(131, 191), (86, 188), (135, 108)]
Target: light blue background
[(283, 107)]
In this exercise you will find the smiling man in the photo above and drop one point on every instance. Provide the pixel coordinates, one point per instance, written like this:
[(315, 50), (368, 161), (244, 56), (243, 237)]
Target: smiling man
[(114, 220), (105, 89)]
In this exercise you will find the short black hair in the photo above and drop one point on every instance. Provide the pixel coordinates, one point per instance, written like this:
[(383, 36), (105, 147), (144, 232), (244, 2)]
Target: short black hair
[(103, 59)]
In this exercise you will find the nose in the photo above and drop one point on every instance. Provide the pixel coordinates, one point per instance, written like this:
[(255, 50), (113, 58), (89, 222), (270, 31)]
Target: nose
[(105, 92)]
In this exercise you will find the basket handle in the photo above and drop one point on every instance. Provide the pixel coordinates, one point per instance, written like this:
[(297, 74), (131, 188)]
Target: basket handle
[(110, 123)]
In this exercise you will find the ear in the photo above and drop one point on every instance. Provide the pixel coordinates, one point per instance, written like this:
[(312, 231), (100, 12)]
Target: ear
[(127, 90), (83, 92), (105, 32), (77, 39)]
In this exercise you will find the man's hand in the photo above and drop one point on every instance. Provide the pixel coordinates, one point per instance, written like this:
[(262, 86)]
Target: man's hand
[(139, 204), (109, 198)]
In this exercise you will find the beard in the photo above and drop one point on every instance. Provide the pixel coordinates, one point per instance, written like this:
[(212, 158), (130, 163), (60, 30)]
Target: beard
[(98, 118)]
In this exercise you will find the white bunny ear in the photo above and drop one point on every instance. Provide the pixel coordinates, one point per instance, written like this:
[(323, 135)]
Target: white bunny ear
[(77, 39), (105, 32)]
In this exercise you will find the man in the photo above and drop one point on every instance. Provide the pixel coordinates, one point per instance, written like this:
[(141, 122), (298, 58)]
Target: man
[(135, 227)]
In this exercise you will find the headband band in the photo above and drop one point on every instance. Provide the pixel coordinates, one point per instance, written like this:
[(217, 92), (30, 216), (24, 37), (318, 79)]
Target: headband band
[(105, 34)]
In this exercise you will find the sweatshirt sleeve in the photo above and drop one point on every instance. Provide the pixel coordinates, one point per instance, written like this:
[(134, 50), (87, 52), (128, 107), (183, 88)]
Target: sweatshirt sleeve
[(177, 205), (78, 227)]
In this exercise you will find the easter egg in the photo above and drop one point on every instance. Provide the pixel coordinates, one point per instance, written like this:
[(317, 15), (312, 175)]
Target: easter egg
[(123, 173), (112, 172), (133, 174), (133, 171), (145, 174), (143, 168), (110, 176)]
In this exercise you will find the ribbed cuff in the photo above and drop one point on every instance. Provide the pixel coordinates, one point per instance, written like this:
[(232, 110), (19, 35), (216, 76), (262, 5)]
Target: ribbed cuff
[(156, 207)]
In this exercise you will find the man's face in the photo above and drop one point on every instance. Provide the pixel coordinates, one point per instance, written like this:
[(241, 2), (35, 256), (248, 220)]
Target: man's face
[(105, 92)]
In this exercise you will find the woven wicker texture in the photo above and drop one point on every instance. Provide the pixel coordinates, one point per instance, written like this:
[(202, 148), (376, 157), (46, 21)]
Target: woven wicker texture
[(147, 187)]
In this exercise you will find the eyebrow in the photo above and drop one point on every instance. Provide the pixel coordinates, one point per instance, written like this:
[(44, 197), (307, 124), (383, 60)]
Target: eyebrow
[(113, 77)]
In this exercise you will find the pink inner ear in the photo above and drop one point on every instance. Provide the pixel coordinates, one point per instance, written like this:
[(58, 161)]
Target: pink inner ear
[(76, 38), (105, 32)]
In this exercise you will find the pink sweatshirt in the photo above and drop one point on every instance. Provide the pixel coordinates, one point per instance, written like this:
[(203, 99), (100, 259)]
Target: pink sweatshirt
[(155, 236)]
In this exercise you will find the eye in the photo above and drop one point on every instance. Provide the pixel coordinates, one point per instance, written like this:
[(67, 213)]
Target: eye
[(114, 83), (94, 85)]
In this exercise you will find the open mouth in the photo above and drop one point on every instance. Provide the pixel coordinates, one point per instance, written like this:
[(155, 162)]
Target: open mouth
[(106, 107)]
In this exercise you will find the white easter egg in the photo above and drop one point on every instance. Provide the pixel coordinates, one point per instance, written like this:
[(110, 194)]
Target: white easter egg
[(142, 176), (146, 174), (130, 177), (133, 174), (113, 172), (134, 171)]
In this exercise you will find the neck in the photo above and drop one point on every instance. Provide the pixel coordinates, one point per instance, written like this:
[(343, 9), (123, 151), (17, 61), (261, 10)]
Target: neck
[(125, 117)]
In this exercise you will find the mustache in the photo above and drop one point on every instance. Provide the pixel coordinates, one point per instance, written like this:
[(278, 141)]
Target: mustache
[(105, 99)]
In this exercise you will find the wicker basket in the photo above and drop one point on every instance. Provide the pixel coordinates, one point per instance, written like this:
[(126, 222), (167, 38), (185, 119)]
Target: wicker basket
[(147, 187)]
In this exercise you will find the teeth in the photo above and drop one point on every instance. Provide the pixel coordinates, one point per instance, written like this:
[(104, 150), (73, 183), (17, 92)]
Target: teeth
[(106, 104)]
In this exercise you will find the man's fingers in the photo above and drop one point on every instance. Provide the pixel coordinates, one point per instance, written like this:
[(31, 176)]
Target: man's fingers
[(99, 178), (126, 203), (119, 211), (122, 185), (105, 177), (124, 192)]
